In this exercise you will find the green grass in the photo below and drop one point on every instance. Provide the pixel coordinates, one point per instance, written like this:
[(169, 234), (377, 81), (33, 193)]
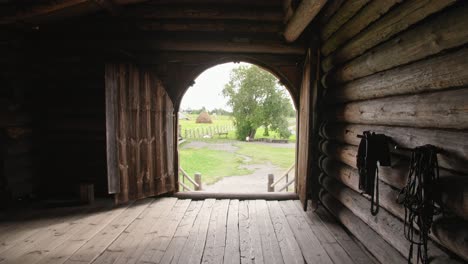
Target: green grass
[(261, 153), (217, 121), (212, 164)]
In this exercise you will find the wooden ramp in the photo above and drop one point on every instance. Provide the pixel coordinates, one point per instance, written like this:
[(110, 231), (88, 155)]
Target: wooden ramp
[(171, 230)]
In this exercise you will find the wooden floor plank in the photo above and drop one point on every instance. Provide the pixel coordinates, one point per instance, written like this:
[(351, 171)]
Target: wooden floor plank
[(163, 234), (289, 247), (270, 246), (232, 250), (326, 238), (250, 241), (57, 227), (96, 245), (154, 220), (182, 233), (357, 253), (311, 248), (65, 250), (216, 237), (126, 242), (194, 246)]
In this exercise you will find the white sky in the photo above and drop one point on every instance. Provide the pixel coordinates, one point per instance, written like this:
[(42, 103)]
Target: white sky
[(207, 90)]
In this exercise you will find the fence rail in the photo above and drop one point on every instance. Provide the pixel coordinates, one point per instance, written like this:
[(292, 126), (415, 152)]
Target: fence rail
[(196, 182), (204, 131), (272, 183)]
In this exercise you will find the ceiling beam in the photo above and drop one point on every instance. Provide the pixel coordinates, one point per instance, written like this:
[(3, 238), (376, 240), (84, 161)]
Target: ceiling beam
[(210, 26), (304, 14), (109, 5), (205, 12)]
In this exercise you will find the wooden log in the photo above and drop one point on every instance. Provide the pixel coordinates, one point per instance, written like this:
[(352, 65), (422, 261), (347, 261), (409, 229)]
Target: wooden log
[(211, 12), (397, 20), (271, 179), (382, 250), (439, 73), (210, 26), (446, 109), (384, 223), (453, 143), (344, 13), (239, 196), (329, 10), (366, 16), (305, 12), (198, 180), (448, 30), (453, 189)]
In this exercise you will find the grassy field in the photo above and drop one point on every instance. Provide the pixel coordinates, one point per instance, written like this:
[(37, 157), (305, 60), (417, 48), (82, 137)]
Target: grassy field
[(216, 164), (222, 121)]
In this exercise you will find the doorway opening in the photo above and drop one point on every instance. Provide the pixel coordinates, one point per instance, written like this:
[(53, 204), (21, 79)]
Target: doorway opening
[(237, 132)]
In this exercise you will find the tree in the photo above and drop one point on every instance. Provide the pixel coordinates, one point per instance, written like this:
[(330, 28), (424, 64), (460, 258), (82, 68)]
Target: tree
[(257, 100)]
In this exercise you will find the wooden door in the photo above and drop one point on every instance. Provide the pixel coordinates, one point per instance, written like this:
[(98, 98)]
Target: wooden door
[(139, 124)]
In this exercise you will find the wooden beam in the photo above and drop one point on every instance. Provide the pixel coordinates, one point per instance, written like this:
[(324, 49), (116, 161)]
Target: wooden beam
[(394, 22), (209, 26), (205, 12), (448, 30), (446, 109), (241, 196), (438, 73), (110, 6), (304, 14), (454, 143)]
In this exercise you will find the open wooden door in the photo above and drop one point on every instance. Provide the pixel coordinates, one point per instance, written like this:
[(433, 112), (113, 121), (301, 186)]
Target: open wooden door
[(303, 157), (139, 123)]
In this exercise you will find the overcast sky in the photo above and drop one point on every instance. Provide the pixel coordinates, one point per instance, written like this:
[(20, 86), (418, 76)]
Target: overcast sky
[(207, 90)]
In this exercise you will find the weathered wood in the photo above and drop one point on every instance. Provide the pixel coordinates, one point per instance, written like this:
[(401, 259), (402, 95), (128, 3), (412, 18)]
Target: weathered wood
[(311, 247), (357, 252), (110, 6), (95, 246), (385, 224), (344, 13), (270, 246), (174, 250), (446, 109), (452, 233), (193, 249), (303, 15), (216, 237), (239, 196), (111, 86), (249, 236), (397, 20), (163, 234), (454, 144), (198, 180), (329, 10), (270, 186), (439, 73), (366, 16), (448, 30), (209, 26), (290, 249), (373, 241), (232, 249)]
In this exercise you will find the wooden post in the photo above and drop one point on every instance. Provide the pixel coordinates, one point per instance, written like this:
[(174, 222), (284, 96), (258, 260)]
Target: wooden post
[(271, 179), (87, 193), (287, 180), (198, 181)]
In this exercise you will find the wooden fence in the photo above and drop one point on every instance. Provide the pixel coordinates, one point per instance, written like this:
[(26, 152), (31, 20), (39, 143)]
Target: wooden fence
[(272, 183), (207, 131)]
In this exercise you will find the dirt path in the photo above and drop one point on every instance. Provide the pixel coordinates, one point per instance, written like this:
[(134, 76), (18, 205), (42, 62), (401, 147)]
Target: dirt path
[(252, 183)]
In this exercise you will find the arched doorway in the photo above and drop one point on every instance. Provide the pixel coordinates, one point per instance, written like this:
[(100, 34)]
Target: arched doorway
[(214, 155)]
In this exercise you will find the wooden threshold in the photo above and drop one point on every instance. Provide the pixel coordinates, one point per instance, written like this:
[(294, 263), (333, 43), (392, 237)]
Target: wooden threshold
[(200, 195)]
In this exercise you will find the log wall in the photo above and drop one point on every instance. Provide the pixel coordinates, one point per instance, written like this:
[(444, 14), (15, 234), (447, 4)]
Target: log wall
[(397, 68)]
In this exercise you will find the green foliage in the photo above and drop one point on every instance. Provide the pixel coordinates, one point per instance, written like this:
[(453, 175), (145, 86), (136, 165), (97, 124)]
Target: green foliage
[(257, 100)]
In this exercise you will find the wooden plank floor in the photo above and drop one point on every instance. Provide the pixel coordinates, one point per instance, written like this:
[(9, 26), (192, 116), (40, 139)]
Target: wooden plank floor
[(171, 230)]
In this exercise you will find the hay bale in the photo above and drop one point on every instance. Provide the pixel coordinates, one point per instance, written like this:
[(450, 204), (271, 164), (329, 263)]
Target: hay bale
[(204, 117)]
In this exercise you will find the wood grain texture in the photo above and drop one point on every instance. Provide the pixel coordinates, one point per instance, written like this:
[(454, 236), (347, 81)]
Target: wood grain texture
[(366, 16), (446, 109), (438, 73), (448, 30), (396, 21)]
